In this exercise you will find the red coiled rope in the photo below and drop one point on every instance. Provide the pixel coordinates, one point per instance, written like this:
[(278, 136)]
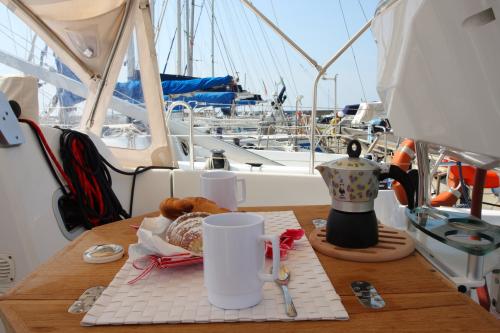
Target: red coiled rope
[(53, 158)]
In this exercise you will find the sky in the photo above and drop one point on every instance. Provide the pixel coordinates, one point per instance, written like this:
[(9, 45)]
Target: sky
[(261, 57), (247, 48)]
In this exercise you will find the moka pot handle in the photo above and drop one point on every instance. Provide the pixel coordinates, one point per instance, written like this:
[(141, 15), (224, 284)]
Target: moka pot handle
[(402, 177)]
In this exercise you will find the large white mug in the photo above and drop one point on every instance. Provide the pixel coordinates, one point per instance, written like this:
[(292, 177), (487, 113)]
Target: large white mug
[(221, 187), (233, 259)]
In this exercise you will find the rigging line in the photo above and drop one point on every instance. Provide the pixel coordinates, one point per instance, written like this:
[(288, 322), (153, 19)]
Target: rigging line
[(284, 51), (160, 20), (223, 32), (217, 42), (273, 57), (169, 51), (255, 44), (14, 34), (246, 37), (257, 50), (193, 36), (171, 45), (362, 10), (241, 53), (27, 40), (228, 54), (266, 41), (312, 76), (10, 26), (198, 20), (353, 53), (197, 25), (14, 41)]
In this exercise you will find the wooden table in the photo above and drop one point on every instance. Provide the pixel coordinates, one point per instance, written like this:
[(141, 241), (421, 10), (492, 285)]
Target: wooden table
[(418, 298)]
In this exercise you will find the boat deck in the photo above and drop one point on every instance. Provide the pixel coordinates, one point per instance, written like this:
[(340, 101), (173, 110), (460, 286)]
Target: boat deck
[(417, 297)]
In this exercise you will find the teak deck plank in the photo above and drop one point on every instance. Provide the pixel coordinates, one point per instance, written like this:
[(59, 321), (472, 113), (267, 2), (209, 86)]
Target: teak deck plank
[(418, 298)]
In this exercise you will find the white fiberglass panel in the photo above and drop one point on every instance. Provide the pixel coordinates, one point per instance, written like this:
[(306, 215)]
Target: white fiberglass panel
[(439, 77)]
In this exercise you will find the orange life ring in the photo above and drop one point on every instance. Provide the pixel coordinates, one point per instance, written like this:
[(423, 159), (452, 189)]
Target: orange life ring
[(469, 172), (450, 197), (403, 158), (404, 155)]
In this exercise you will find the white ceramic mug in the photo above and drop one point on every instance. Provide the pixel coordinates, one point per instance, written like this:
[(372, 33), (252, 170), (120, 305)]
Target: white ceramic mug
[(233, 259), (221, 187)]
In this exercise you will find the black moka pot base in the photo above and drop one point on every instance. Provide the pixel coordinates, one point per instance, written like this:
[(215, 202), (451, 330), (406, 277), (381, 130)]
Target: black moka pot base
[(352, 230)]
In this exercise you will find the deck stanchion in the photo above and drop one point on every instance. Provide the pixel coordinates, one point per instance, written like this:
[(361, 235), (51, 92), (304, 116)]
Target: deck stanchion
[(423, 174), (191, 122)]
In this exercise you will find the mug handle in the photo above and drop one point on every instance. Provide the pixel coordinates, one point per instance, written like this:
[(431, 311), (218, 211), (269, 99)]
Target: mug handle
[(275, 241), (243, 190)]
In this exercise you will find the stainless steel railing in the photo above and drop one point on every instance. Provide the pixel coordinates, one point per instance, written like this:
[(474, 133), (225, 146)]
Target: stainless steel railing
[(191, 122)]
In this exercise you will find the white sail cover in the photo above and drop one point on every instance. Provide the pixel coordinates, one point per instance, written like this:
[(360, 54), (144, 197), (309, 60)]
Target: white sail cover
[(439, 72), (368, 111)]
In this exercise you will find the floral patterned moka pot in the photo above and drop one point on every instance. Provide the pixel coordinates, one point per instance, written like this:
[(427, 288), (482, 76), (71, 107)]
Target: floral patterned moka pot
[(353, 182)]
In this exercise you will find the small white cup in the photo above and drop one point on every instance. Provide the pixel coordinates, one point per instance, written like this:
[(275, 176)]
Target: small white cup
[(233, 259), (221, 187)]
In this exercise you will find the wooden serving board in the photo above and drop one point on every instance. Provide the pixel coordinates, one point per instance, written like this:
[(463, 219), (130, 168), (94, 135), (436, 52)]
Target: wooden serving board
[(393, 244)]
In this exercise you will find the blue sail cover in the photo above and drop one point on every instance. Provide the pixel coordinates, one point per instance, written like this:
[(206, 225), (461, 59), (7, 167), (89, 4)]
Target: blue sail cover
[(246, 102), (66, 98), (131, 91), (174, 87)]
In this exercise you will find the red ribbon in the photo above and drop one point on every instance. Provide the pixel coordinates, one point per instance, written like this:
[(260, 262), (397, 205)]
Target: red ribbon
[(286, 242), (148, 263)]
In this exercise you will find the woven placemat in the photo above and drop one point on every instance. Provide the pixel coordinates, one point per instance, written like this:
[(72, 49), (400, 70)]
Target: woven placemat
[(177, 295)]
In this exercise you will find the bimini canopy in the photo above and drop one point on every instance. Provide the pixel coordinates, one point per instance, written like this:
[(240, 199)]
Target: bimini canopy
[(87, 28)]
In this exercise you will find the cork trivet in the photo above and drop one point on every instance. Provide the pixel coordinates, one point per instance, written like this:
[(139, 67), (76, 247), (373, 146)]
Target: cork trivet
[(393, 244)]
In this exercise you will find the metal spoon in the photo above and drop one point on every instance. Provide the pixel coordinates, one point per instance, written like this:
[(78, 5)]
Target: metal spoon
[(282, 281)]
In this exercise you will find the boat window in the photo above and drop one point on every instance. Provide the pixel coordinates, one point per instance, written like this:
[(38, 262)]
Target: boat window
[(126, 124), (59, 91)]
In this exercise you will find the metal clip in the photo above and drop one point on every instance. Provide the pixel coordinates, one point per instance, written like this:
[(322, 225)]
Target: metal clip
[(86, 300), (367, 294)]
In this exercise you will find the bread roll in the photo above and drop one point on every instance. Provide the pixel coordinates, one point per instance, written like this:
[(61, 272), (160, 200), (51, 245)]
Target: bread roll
[(172, 208), (186, 232)]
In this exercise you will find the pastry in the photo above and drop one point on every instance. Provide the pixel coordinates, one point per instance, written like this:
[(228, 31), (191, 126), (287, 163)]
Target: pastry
[(186, 232), (172, 208)]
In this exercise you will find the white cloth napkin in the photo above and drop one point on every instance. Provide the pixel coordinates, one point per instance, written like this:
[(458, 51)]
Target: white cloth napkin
[(151, 239)]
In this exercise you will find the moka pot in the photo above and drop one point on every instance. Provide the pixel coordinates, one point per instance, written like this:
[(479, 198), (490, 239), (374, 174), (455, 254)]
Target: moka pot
[(353, 183)]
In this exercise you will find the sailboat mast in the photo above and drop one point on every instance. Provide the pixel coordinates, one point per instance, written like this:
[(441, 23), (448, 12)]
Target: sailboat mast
[(213, 32), (31, 54), (131, 60), (186, 24), (179, 38), (191, 40)]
